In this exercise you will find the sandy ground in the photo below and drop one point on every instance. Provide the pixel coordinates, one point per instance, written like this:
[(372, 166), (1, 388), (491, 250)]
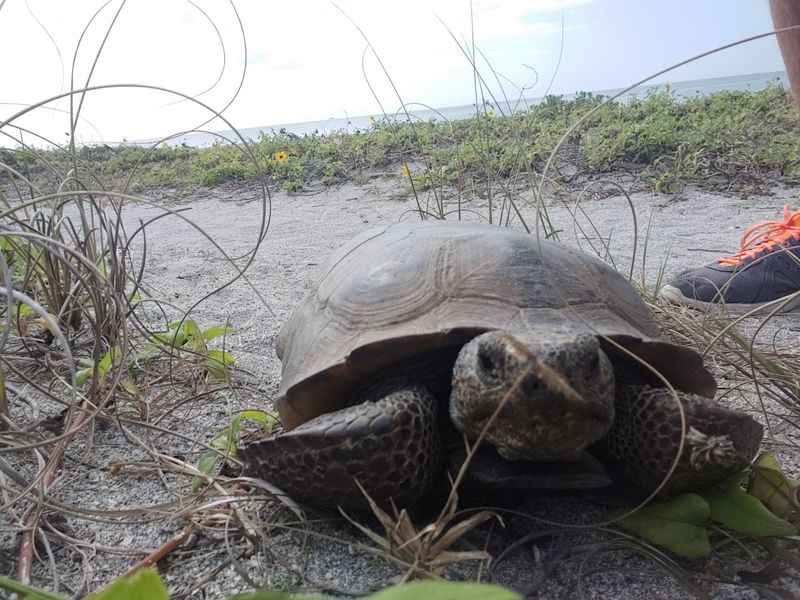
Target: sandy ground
[(688, 229)]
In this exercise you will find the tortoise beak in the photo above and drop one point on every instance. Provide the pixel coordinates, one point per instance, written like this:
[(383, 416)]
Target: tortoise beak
[(539, 374)]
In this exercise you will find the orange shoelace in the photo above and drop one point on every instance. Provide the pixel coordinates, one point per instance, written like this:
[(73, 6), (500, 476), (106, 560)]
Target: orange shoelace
[(765, 236)]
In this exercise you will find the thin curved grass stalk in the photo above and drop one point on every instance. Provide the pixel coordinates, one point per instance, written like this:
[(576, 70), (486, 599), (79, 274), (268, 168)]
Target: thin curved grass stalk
[(48, 319), (74, 119), (496, 78), (223, 52), (162, 551), (19, 176), (560, 56), (771, 366), (610, 99), (177, 213), (577, 226), (718, 337), (50, 38), (8, 284), (90, 261), (324, 586), (477, 76), (403, 105)]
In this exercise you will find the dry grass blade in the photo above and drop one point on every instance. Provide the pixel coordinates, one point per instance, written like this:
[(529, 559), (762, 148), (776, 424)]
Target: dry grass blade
[(424, 550), (452, 535), (745, 361), (79, 346)]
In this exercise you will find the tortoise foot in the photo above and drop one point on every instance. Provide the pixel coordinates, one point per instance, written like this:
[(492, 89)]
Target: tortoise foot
[(646, 436), (390, 446)]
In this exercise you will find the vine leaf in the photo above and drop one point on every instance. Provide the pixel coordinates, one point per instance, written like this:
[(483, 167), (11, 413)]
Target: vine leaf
[(678, 524)]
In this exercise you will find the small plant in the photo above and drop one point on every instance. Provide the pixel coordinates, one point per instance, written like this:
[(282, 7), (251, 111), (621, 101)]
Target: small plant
[(187, 334), (682, 523), (106, 362), (425, 551), (225, 443)]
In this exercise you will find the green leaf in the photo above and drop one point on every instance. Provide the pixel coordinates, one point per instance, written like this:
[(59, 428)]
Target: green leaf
[(734, 508), (150, 350), (129, 386), (678, 524), (23, 310), (259, 416), (199, 344), (142, 585), (178, 336), (445, 590), (174, 339), (190, 329), (25, 591), (217, 364), (226, 441), (769, 484), (81, 375), (206, 463), (214, 332), (267, 595), (107, 361)]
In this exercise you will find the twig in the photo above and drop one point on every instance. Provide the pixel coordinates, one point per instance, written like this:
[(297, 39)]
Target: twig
[(160, 552)]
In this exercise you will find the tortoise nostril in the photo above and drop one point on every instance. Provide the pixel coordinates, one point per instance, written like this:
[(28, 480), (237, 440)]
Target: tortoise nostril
[(488, 361), (530, 385)]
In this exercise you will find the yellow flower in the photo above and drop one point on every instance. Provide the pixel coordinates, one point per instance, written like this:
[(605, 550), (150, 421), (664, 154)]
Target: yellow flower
[(406, 170), (281, 156)]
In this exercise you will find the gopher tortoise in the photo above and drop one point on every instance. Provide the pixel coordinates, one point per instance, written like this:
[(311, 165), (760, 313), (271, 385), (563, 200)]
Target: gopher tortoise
[(415, 328)]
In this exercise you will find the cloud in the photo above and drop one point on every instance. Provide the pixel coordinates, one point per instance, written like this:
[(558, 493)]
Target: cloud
[(304, 57)]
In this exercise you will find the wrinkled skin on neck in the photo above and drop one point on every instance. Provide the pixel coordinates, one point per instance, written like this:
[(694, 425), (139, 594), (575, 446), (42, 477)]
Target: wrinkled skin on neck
[(557, 393)]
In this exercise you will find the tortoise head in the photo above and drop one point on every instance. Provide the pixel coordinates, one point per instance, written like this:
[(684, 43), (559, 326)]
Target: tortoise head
[(557, 391)]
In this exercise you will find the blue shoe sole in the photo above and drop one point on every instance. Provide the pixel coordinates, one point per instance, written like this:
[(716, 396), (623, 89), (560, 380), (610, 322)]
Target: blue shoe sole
[(674, 295)]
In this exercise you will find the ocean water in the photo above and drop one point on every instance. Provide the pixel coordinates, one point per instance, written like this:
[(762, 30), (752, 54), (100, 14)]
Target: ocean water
[(684, 89)]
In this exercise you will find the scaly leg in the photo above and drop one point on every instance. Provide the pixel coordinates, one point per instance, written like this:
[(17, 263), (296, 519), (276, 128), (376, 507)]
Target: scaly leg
[(646, 435), (389, 442)]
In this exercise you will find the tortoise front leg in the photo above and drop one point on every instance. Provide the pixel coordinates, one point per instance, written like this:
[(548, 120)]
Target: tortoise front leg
[(646, 435), (389, 442)]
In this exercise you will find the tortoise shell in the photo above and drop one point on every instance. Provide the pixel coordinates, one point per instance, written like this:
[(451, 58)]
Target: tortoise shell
[(397, 292)]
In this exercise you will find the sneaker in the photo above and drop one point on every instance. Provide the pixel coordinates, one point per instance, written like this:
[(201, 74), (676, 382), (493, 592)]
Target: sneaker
[(764, 270)]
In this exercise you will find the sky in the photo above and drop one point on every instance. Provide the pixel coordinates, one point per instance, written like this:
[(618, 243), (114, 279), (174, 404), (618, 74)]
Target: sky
[(305, 60)]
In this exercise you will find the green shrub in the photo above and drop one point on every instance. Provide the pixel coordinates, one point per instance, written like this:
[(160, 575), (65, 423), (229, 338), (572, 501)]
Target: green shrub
[(670, 141)]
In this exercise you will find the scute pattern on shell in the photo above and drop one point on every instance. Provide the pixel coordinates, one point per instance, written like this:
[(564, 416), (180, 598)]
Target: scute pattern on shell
[(385, 445), (646, 435), (394, 292)]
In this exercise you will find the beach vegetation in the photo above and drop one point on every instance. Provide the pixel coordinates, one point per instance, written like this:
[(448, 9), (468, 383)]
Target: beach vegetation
[(727, 139)]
